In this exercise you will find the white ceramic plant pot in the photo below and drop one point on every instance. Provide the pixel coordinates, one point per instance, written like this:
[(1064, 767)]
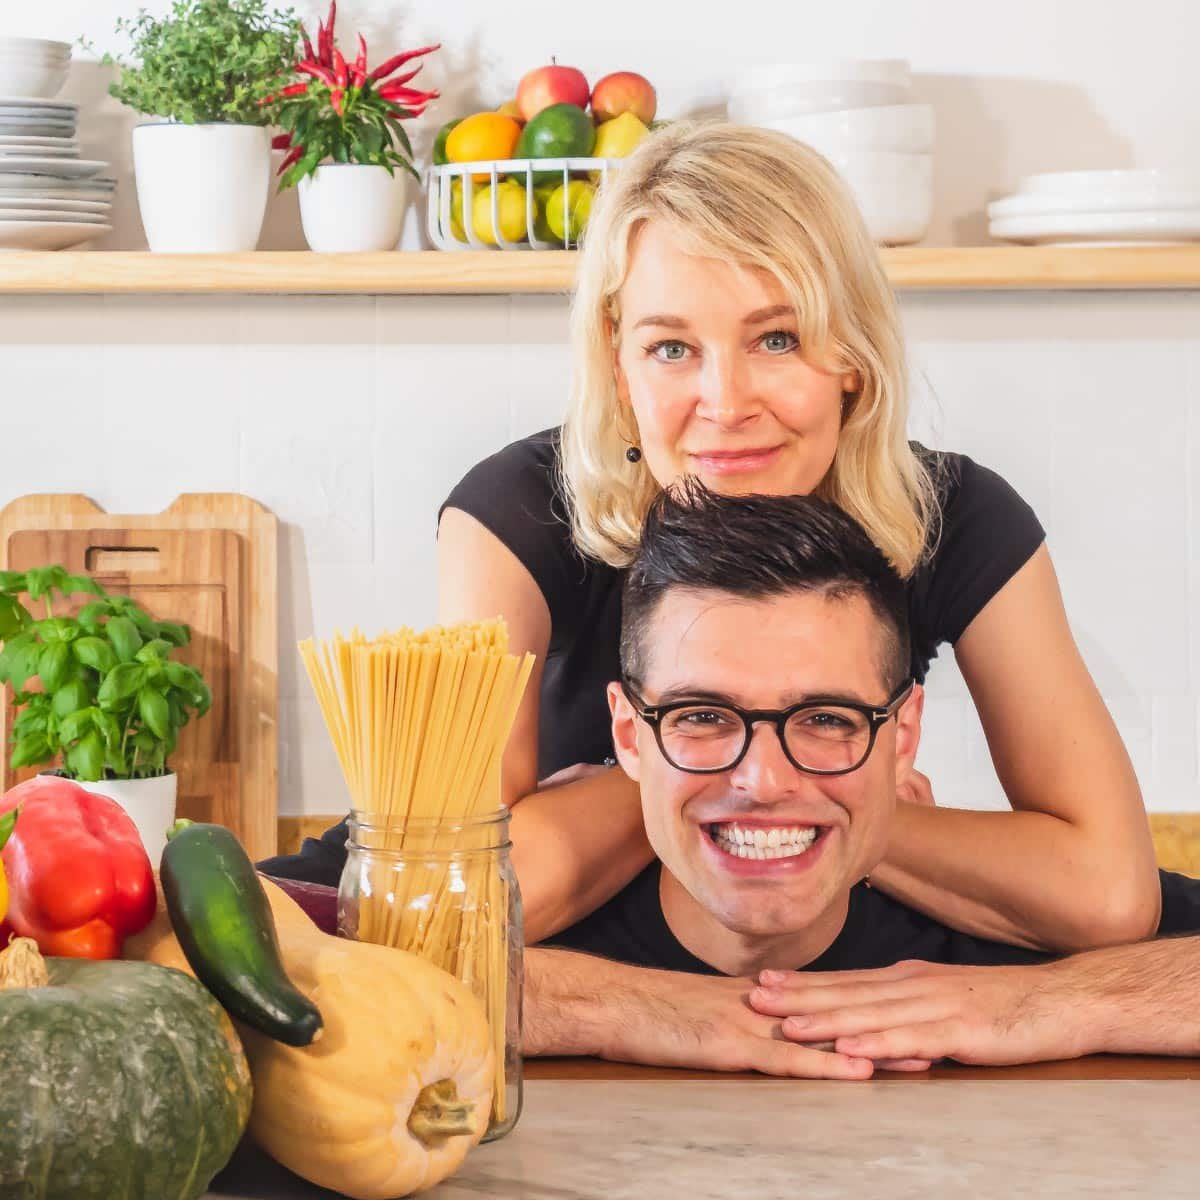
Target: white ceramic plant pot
[(352, 207), (150, 802), (202, 189)]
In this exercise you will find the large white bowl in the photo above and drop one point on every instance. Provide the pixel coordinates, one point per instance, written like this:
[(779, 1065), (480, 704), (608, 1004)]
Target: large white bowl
[(753, 106), (32, 80), (35, 46), (1036, 204), (862, 70), (904, 127), (894, 192), (1101, 183)]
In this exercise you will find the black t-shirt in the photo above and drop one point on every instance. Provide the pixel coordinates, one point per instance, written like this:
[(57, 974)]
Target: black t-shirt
[(987, 533), (878, 932)]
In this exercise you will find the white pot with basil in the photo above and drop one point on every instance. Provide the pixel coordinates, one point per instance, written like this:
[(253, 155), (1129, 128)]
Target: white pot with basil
[(100, 696), (202, 164)]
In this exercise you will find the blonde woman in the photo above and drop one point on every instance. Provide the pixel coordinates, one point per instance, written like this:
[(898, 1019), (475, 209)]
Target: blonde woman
[(732, 320)]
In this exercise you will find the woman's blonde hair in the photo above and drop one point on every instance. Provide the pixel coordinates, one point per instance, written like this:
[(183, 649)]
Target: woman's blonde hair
[(760, 199)]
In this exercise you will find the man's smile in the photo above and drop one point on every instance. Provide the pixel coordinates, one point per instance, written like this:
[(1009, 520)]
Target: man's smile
[(755, 848)]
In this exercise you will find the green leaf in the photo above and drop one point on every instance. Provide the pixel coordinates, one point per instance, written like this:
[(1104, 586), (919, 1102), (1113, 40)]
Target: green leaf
[(123, 634), (9, 656), (71, 728), (24, 664), (12, 581), (86, 760), (41, 579), (94, 652), (70, 698), (177, 635), (52, 665), (13, 616), (90, 614), (30, 750), (80, 583), (7, 824), (154, 651), (120, 684), (155, 712)]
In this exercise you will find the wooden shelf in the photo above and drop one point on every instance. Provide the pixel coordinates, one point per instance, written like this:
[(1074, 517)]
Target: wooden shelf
[(494, 272)]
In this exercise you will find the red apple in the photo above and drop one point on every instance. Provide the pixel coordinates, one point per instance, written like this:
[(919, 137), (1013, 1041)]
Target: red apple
[(624, 92), (545, 86)]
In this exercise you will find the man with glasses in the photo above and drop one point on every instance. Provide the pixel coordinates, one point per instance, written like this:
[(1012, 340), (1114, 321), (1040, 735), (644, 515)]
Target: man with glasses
[(765, 709)]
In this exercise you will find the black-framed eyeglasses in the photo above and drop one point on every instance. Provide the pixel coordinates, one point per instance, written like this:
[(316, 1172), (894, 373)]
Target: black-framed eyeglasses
[(821, 736)]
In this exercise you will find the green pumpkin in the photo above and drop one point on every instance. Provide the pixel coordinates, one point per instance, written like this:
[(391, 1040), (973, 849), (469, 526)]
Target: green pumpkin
[(118, 1079)]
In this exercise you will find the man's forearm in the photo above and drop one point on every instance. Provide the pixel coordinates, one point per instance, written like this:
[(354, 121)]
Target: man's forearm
[(1139, 999), (569, 1004)]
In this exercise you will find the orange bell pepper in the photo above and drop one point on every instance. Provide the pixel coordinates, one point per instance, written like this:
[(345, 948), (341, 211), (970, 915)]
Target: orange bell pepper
[(79, 878)]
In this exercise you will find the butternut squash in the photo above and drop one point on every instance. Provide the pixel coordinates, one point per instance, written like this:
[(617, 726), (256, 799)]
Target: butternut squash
[(398, 1088)]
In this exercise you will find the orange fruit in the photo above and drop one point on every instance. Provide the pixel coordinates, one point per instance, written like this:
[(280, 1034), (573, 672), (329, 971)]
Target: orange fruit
[(482, 136)]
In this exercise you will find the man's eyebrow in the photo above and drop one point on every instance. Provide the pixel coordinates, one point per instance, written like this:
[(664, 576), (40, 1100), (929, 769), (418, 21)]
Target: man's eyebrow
[(757, 317), (685, 691)]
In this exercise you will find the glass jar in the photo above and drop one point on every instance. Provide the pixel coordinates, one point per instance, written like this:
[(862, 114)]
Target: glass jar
[(446, 890)]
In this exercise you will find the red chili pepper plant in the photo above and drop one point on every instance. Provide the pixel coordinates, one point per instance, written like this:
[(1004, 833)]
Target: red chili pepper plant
[(342, 110)]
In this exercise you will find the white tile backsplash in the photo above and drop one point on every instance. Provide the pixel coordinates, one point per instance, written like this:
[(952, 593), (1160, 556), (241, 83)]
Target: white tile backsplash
[(352, 417)]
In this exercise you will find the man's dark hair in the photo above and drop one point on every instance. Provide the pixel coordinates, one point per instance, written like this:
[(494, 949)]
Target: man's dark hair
[(755, 547)]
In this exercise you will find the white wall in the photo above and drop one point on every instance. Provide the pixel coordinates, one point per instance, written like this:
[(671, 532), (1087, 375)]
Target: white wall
[(352, 417)]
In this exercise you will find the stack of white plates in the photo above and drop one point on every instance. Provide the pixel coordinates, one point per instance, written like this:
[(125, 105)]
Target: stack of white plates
[(50, 198), (859, 114), (33, 68), (1100, 208)]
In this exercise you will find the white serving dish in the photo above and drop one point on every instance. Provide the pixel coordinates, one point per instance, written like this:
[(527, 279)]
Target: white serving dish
[(64, 202), (754, 105), (38, 141), (1036, 204), (1108, 183), (32, 79), (1110, 228), (34, 182), (59, 109), (894, 192), (52, 213), (59, 151), (907, 128), (47, 235), (58, 168), (863, 70)]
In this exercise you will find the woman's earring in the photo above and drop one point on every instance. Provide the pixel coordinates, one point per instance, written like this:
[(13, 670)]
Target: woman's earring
[(633, 454)]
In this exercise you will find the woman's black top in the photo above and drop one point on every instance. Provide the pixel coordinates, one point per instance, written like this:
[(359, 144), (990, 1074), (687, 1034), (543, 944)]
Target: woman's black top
[(987, 533)]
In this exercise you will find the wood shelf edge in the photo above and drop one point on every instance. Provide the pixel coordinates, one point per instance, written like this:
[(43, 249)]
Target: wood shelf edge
[(431, 272)]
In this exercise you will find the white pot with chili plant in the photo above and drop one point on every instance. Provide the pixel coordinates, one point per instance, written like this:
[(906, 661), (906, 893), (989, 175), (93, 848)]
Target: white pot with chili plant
[(344, 139), (98, 693), (203, 167)]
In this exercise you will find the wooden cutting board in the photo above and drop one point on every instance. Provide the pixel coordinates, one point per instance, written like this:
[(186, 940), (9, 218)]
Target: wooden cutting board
[(208, 561)]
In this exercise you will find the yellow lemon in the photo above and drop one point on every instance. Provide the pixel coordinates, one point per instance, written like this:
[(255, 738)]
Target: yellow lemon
[(569, 220), (457, 228), (617, 139), (541, 198), (510, 212)]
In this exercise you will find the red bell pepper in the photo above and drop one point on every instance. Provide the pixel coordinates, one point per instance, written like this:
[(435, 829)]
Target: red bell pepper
[(79, 877)]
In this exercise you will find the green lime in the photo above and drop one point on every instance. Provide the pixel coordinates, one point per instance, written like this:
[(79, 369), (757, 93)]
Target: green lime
[(560, 131), (439, 142)]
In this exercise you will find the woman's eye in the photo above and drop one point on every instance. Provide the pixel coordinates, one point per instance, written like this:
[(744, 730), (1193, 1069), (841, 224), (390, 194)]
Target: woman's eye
[(779, 341), (668, 351)]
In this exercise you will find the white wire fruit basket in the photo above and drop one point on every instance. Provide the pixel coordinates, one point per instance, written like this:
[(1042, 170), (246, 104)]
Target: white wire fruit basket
[(451, 230)]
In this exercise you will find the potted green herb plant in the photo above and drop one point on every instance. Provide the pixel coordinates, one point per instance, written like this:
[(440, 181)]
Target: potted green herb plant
[(203, 167), (345, 138), (98, 692)]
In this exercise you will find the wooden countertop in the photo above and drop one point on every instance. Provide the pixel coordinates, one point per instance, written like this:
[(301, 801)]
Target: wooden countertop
[(1104, 1126)]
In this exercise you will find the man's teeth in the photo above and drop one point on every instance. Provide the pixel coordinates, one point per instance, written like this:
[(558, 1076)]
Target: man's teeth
[(783, 841)]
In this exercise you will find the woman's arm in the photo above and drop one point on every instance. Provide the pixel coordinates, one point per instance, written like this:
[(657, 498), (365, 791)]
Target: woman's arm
[(1072, 866), (574, 845)]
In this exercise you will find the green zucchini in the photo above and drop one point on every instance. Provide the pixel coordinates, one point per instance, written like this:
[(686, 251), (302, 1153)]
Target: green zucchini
[(222, 918)]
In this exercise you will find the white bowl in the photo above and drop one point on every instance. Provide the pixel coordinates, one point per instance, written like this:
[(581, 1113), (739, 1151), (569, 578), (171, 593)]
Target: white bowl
[(861, 70), (31, 80), (755, 105), (1100, 183), (894, 192), (35, 45), (904, 127), (1107, 228)]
